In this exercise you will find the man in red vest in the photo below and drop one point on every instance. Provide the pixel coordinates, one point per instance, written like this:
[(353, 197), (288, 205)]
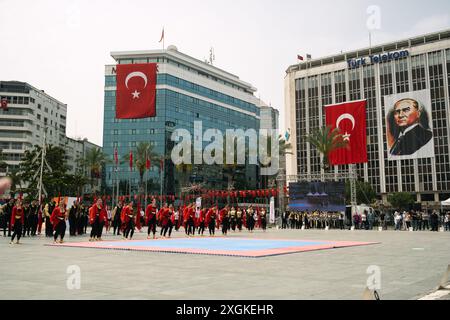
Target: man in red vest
[(98, 217), (128, 220), (150, 218)]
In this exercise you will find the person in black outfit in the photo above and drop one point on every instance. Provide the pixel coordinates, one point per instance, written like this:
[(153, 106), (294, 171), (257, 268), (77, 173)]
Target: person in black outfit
[(8, 213), (116, 222), (27, 220), (34, 218), (73, 219), (409, 127), (434, 221)]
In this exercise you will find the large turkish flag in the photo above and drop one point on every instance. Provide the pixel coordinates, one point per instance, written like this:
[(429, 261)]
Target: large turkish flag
[(136, 91), (350, 119)]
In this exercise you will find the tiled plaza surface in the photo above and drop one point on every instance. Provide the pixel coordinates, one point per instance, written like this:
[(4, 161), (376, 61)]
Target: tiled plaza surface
[(411, 265)]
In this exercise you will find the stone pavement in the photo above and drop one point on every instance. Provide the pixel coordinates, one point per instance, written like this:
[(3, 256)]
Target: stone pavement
[(411, 265)]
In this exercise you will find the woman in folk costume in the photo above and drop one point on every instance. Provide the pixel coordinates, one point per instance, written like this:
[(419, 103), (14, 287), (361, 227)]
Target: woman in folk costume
[(250, 219), (115, 218), (177, 219), (257, 223), (17, 221), (211, 220), (150, 219), (263, 217), (58, 220), (202, 221), (225, 220), (167, 222), (162, 217), (190, 224), (233, 219), (138, 217), (239, 221), (128, 220), (98, 217)]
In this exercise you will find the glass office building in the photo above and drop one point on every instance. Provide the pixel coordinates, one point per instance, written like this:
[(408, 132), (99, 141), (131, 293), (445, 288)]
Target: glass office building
[(188, 90), (406, 66)]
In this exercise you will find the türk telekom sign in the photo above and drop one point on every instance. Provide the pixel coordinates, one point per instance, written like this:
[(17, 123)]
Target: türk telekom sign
[(384, 57)]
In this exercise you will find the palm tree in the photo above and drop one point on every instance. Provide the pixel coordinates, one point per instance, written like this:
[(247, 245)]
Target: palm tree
[(326, 141), (143, 152), (95, 159)]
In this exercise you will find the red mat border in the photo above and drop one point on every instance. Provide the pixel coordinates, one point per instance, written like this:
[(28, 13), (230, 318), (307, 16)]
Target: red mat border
[(229, 253)]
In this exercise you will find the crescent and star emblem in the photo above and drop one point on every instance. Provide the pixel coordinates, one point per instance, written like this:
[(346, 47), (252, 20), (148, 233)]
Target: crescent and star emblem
[(139, 74), (344, 116)]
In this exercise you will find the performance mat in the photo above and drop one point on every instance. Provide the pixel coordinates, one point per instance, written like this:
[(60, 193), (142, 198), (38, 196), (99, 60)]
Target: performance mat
[(237, 247)]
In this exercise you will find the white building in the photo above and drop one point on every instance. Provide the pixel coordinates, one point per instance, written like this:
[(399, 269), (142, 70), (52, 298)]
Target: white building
[(29, 111), (400, 67)]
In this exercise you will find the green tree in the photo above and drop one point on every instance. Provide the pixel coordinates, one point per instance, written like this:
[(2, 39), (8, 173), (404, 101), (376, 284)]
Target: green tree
[(401, 200), (364, 192), (143, 152), (55, 180), (94, 161), (326, 141)]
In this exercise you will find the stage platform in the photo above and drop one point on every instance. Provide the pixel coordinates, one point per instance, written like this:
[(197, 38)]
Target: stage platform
[(217, 246)]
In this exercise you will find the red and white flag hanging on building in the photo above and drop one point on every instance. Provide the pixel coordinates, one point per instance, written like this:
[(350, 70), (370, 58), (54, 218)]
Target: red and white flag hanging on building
[(136, 91), (350, 119)]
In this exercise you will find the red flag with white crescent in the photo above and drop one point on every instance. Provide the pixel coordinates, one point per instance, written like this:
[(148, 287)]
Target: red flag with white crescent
[(350, 119), (136, 91)]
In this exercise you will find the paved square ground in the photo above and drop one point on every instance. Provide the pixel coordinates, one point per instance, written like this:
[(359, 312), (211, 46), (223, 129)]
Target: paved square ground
[(411, 264), (237, 247)]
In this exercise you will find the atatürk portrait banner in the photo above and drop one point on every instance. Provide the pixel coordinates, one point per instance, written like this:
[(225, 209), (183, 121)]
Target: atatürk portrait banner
[(409, 125)]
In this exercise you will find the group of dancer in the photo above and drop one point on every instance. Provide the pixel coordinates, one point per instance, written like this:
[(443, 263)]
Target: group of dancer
[(194, 220), (25, 219)]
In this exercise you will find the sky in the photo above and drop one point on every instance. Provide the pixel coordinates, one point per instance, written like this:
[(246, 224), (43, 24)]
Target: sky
[(62, 46)]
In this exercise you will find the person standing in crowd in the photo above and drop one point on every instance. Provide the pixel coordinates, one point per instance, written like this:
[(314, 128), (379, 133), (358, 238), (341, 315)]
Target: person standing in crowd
[(26, 226), (341, 220), (97, 219), (80, 219), (3, 224), (434, 221), (127, 216), (48, 225), (115, 218), (211, 220), (8, 212), (176, 219), (73, 219), (150, 219), (408, 221), (17, 221), (202, 222), (190, 222), (34, 217), (263, 219), (250, 219), (447, 221), (223, 214), (239, 216), (167, 222), (397, 221), (370, 219), (383, 220), (284, 220), (425, 220), (233, 220), (162, 217), (58, 220)]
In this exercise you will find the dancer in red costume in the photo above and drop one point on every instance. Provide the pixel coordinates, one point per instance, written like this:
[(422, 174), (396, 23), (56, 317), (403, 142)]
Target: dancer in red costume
[(58, 220)]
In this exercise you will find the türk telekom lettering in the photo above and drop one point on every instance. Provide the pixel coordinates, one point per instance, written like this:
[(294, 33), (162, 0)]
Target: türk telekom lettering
[(385, 57)]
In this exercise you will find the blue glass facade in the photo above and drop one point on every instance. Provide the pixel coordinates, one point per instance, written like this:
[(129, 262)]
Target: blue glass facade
[(174, 110)]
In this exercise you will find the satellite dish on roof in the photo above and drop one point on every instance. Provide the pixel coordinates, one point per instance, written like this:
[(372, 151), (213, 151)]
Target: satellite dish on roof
[(172, 48)]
